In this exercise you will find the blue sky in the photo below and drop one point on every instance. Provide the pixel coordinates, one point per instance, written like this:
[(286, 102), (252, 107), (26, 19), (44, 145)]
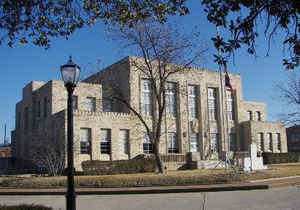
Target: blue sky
[(22, 64)]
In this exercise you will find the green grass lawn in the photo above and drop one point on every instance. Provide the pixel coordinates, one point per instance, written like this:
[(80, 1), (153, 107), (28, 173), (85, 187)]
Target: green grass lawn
[(184, 177)]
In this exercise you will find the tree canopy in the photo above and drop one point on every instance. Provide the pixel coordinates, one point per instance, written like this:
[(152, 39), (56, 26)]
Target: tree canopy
[(242, 17), (38, 21)]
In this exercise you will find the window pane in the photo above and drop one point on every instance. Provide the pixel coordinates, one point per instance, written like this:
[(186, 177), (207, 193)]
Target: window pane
[(26, 120), (124, 141), (85, 138), (212, 104), (258, 116), (192, 102), (146, 97), (91, 104), (278, 142), (232, 142), (45, 107), (270, 143), (147, 144), (39, 108), (214, 142), (229, 103), (172, 143), (250, 117), (171, 99), (107, 105), (105, 141), (260, 142), (75, 102), (194, 147)]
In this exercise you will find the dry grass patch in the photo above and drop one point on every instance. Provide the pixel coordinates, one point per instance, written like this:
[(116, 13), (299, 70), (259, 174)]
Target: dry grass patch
[(186, 177)]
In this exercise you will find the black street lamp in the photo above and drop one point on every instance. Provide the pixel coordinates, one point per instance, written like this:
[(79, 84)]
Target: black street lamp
[(70, 75)]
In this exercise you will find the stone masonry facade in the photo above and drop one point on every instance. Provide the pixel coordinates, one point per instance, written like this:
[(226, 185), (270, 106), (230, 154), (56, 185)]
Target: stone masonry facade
[(110, 131)]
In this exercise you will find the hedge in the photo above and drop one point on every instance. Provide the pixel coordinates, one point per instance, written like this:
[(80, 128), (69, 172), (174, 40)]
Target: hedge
[(25, 207), (273, 158), (139, 164)]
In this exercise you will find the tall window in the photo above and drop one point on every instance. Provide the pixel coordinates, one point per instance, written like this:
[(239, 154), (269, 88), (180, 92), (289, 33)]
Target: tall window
[(33, 114), (171, 99), (258, 116), (85, 140), (260, 142), (270, 142), (107, 105), (212, 103), (105, 141), (173, 146), (232, 142), (124, 141), (19, 120), (39, 108), (214, 142), (26, 120), (194, 146), (278, 142), (91, 104), (229, 104), (147, 144), (192, 101), (45, 107), (74, 102), (250, 117), (146, 97)]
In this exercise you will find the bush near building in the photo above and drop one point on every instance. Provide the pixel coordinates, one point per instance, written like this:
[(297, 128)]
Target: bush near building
[(139, 164), (274, 158)]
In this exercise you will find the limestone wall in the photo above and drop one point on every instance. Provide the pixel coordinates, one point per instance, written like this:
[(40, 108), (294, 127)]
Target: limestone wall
[(253, 128), (113, 121)]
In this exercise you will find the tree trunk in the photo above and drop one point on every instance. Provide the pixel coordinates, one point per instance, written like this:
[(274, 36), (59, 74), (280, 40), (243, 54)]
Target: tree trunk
[(159, 163)]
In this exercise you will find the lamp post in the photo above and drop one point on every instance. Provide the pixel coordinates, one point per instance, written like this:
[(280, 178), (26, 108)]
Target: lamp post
[(70, 75)]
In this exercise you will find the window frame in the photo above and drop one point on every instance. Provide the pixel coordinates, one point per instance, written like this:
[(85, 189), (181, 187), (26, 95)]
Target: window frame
[(74, 102), (105, 141), (45, 107), (270, 143), (232, 142), (278, 143), (85, 145), (194, 140), (173, 143), (212, 103), (230, 105), (148, 146), (260, 142), (146, 97), (91, 104), (107, 105), (250, 115), (192, 102), (124, 142), (214, 145), (171, 99)]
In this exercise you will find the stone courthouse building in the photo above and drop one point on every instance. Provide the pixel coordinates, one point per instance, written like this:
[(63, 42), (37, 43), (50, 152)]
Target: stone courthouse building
[(194, 121)]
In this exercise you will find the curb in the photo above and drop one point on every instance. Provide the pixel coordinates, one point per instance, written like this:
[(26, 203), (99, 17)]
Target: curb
[(137, 190)]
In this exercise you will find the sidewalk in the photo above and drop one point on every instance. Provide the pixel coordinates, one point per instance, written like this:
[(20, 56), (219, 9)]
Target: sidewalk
[(253, 185)]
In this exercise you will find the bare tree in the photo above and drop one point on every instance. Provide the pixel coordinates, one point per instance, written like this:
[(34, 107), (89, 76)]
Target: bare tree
[(162, 52), (289, 92), (49, 155)]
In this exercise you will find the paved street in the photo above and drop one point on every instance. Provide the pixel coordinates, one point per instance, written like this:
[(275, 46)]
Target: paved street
[(280, 198)]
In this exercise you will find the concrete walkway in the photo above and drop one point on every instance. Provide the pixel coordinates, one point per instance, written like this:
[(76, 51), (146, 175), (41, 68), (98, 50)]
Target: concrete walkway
[(253, 185)]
